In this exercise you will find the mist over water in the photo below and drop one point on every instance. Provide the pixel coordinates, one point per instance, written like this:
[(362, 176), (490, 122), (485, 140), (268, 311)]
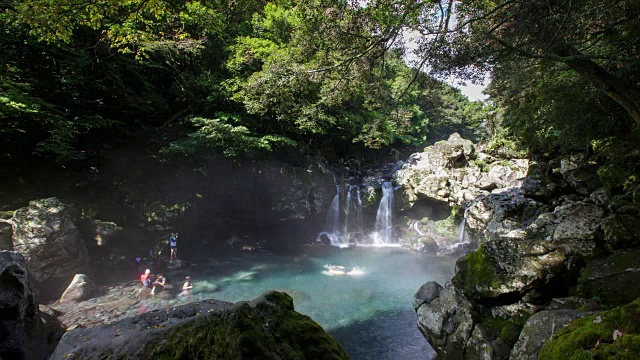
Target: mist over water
[(370, 313)]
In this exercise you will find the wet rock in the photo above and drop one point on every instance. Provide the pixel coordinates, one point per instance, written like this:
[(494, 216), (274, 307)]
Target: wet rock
[(80, 289), (426, 294), (538, 329), (265, 328), (447, 321), (46, 234), (21, 330), (614, 279)]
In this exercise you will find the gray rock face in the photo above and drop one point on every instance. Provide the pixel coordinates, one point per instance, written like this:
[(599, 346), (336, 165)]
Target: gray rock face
[(538, 329), (80, 289), (5, 235), (508, 266), (621, 231), (20, 325), (447, 320), (46, 234), (577, 225), (501, 215), (541, 183), (265, 328), (613, 279), (103, 232)]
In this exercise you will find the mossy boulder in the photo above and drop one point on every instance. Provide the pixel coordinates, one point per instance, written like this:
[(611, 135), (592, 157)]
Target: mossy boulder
[(538, 329), (613, 334), (614, 279), (509, 267), (265, 328)]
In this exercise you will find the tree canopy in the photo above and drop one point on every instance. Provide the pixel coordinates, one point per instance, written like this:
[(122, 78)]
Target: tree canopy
[(248, 77)]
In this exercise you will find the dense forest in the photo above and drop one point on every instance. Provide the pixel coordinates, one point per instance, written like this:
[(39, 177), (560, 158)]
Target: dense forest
[(248, 77)]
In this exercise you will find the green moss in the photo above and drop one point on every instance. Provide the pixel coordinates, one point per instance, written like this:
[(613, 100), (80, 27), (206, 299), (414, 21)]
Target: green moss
[(484, 167), (580, 339), (475, 273), (506, 329), (6, 215), (263, 331)]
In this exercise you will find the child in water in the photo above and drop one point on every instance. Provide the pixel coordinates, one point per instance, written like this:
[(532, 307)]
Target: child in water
[(187, 286)]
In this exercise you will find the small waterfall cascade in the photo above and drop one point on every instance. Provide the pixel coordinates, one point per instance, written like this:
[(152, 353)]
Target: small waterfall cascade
[(384, 218), (462, 231), (347, 211), (332, 224), (353, 223), (358, 205)]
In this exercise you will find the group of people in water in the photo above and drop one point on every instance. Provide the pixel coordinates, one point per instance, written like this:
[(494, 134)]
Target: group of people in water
[(160, 281)]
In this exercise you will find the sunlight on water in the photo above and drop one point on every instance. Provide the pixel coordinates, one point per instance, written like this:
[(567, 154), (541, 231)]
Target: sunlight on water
[(365, 302)]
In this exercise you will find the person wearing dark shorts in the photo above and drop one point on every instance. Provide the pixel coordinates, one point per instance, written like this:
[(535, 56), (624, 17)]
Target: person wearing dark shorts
[(173, 244)]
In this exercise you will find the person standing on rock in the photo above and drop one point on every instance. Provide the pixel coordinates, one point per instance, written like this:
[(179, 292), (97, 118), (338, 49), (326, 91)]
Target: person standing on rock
[(173, 244)]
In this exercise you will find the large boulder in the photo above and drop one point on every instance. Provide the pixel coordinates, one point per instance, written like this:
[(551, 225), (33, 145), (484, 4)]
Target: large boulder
[(46, 234), (612, 334), (430, 174), (614, 279), (265, 328), (21, 334), (580, 173), (503, 214), (538, 329), (80, 289), (510, 173), (621, 231), (577, 227), (541, 184), (509, 268), (446, 318)]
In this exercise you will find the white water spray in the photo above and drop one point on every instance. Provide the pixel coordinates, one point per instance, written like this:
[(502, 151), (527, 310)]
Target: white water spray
[(384, 218)]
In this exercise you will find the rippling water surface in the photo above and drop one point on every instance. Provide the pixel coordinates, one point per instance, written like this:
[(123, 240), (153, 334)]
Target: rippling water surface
[(370, 314)]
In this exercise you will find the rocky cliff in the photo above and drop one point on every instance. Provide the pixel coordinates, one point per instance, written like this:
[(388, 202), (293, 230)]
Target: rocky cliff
[(552, 246)]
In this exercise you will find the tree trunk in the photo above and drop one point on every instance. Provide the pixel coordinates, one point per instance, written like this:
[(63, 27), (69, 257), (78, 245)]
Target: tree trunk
[(624, 94)]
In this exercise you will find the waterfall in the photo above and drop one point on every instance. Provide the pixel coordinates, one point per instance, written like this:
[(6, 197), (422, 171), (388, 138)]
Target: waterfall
[(462, 231), (359, 221), (384, 218), (332, 224), (347, 210)]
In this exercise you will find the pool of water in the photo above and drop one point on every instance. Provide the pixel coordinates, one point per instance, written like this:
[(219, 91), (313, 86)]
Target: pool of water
[(368, 311)]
